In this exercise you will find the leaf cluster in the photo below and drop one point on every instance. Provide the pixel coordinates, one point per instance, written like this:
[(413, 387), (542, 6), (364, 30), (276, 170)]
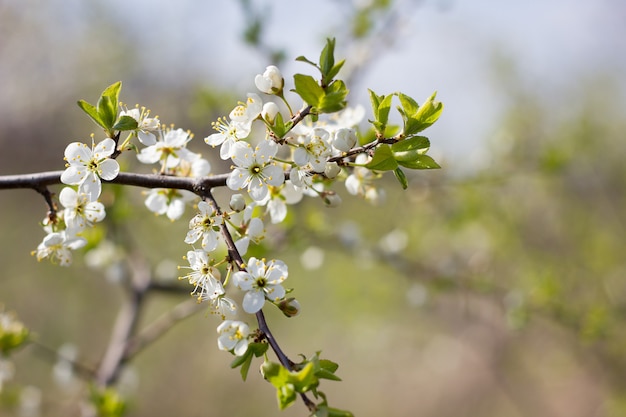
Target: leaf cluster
[(326, 95), (406, 149), (105, 112)]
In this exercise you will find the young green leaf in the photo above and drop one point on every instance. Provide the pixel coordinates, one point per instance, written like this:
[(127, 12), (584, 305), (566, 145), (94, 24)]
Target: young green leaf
[(91, 111), (383, 159), (409, 149), (420, 162), (107, 105), (401, 178), (327, 58), (302, 58), (428, 113), (126, 123), (308, 89)]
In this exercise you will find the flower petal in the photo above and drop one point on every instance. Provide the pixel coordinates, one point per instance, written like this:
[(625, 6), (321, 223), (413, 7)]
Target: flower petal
[(253, 301)]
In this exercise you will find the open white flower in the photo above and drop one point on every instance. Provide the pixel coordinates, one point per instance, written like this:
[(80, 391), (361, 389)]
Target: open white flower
[(203, 276), (171, 150), (314, 149), (238, 128), (146, 126), (79, 211), (170, 202), (233, 336), (57, 247), (261, 280), (86, 166), (205, 224), (255, 169)]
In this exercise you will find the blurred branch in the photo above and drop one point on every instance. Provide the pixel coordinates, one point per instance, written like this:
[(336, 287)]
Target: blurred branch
[(160, 326), (125, 324)]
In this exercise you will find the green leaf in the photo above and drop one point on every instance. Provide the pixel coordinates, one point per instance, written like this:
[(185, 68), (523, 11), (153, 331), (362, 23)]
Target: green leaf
[(409, 105), (126, 123), (327, 58), (381, 105), (335, 70), (280, 128), (401, 178), (107, 105), (91, 111), (421, 162), (308, 89), (383, 159), (335, 98), (410, 148), (302, 58), (245, 360), (427, 114)]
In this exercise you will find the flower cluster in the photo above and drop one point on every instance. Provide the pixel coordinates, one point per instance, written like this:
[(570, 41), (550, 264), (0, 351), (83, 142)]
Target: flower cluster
[(288, 157), (85, 169)]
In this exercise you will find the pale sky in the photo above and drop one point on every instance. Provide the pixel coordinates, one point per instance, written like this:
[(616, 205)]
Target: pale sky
[(448, 46)]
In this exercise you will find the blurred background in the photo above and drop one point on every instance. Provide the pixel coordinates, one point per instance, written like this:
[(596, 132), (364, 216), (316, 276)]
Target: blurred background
[(493, 287)]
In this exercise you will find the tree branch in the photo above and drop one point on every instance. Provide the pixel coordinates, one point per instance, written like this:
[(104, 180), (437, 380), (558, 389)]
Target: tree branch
[(197, 185)]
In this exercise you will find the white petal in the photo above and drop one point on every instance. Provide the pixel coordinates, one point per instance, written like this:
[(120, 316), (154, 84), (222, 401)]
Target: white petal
[(274, 175), (77, 152), (278, 210), (149, 155), (209, 242), (91, 186), (193, 235), (156, 202), (242, 245), (104, 149), (237, 179), (175, 209), (109, 168), (265, 151), (256, 267), (242, 280), (73, 175), (300, 157), (68, 197), (241, 347), (215, 139), (257, 189), (275, 292), (253, 301), (146, 138)]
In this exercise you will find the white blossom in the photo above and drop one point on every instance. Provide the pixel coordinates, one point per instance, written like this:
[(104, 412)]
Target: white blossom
[(171, 150), (203, 276), (170, 202), (313, 150), (261, 280), (79, 211), (255, 169), (271, 81), (233, 336), (57, 247), (205, 225), (87, 166)]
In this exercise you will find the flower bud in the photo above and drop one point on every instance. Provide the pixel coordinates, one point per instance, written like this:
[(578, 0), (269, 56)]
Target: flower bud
[(269, 112), (344, 139), (271, 81), (290, 307), (237, 202), (332, 170)]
